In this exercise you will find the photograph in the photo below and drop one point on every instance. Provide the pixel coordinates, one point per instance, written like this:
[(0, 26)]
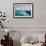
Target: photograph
[(22, 10), (22, 23)]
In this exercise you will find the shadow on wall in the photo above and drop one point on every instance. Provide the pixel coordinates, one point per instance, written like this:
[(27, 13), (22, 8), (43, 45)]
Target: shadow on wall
[(16, 43)]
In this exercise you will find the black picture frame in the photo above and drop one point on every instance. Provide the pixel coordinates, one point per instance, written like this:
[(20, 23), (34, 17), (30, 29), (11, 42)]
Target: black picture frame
[(21, 5)]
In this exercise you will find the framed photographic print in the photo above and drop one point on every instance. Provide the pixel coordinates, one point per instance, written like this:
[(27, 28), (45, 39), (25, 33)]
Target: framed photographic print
[(22, 9)]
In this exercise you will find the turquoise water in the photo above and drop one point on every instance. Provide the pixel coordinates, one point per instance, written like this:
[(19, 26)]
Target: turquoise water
[(23, 13)]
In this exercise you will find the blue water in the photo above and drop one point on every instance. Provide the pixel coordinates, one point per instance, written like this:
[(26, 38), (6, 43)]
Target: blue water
[(23, 13)]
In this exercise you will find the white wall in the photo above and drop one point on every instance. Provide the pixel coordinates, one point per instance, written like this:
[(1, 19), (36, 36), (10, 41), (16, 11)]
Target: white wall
[(39, 13), (25, 25)]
